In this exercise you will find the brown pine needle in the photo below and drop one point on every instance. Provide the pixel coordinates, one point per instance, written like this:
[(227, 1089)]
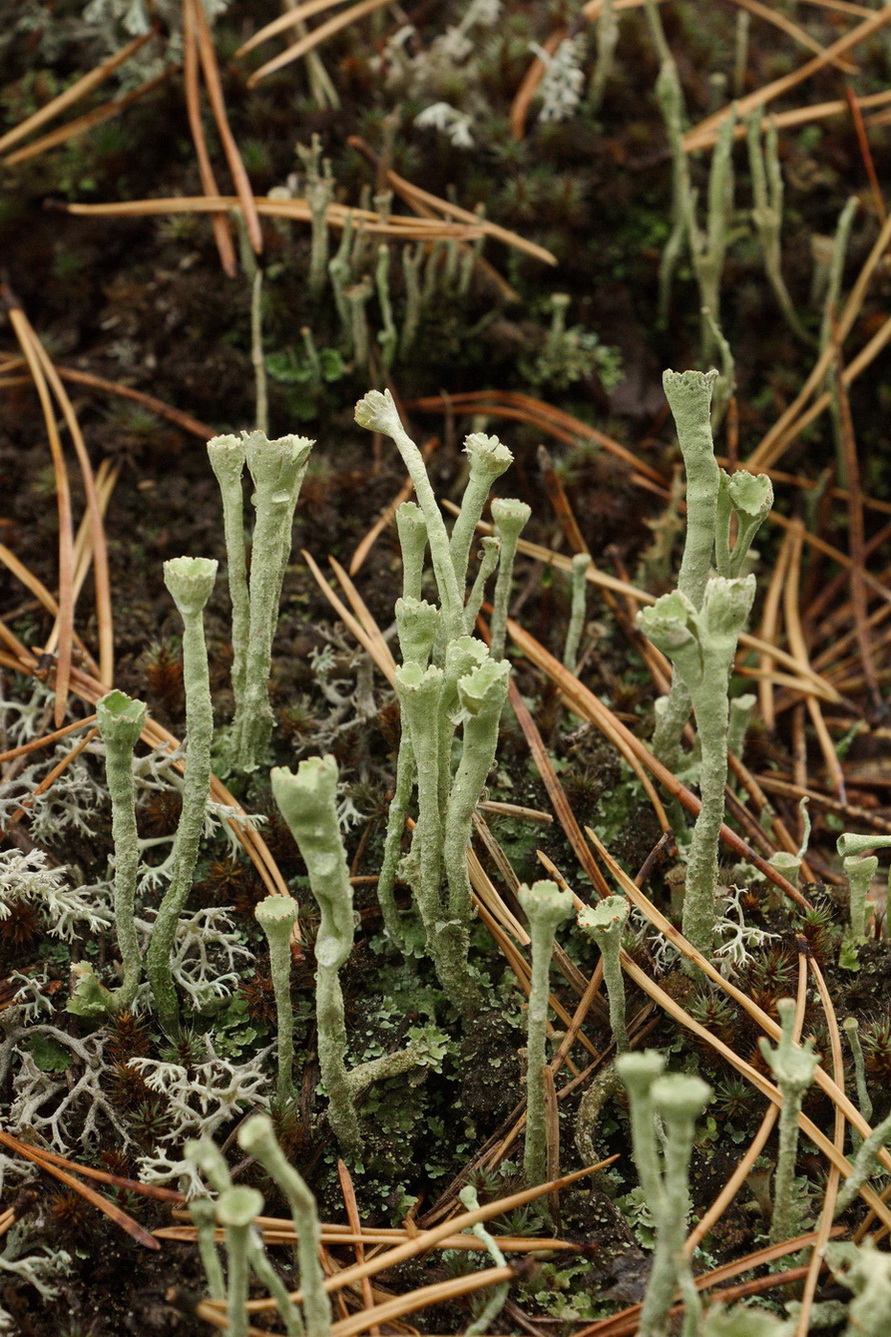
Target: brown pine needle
[(357, 561), (94, 512), (798, 646), (866, 152), (704, 135), (52, 776), (556, 793), (793, 30), (211, 70), (63, 501), (588, 706), (43, 596), (767, 1024), (80, 88), (386, 664), (221, 229), (856, 532), (82, 124), (428, 1239), (398, 226), (285, 21), (511, 404), (827, 1210), (352, 1211), (315, 37), (113, 1212), (415, 196), (46, 740)]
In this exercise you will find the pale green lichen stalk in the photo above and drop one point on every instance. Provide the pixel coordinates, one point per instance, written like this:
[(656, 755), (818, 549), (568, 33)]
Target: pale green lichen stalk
[(580, 563), (307, 802), (499, 1294), (701, 646), (277, 469), (121, 720), (226, 455), (510, 518), (190, 581), (689, 396), (277, 916), (236, 1210), (793, 1066), (488, 460), (481, 696), (604, 925), (866, 1272), (256, 1138), (490, 552), (546, 906), (377, 412), (677, 1100), (749, 498)]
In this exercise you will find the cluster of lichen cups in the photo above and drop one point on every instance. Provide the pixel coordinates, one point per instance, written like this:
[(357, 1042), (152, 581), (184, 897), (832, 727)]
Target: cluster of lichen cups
[(448, 678)]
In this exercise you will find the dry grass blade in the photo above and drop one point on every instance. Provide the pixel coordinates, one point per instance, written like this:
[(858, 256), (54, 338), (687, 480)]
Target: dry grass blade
[(22, 330), (46, 740), (387, 664), (357, 560), (80, 88), (208, 57), (767, 1024), (298, 14), (703, 136), (113, 1212), (856, 532), (397, 226), (94, 513), (798, 646), (50, 779), (428, 1239), (83, 124), (827, 1211), (43, 596), (221, 230), (352, 1211), (315, 37), (558, 798)]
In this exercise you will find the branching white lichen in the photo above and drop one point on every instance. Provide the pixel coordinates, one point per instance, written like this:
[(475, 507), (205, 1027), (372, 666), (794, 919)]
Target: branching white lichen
[(65, 909), (454, 124), (200, 1099), (564, 79), (44, 1104), (737, 938), (43, 1270)]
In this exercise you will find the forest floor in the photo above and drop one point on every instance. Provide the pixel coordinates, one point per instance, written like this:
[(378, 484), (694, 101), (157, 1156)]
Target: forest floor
[(152, 341)]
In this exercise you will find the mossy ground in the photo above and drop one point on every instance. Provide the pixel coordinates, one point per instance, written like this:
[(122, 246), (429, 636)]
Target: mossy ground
[(143, 301)]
